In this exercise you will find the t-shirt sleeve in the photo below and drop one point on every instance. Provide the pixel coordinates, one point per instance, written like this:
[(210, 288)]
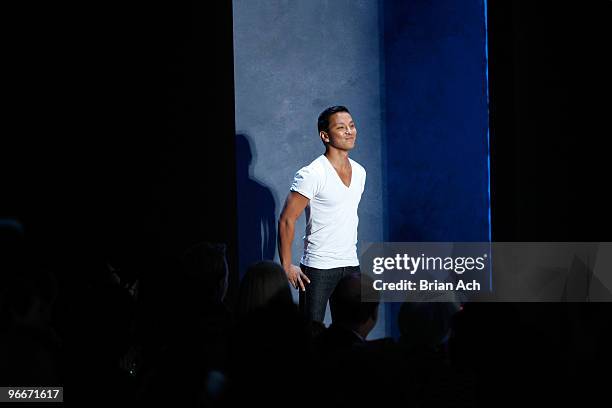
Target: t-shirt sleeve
[(306, 182), (364, 180)]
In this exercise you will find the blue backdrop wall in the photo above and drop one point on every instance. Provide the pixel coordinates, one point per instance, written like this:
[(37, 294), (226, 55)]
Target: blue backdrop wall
[(413, 74), (436, 123), (292, 60)]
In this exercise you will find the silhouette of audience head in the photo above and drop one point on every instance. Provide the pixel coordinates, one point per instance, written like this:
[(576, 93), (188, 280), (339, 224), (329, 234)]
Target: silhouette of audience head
[(264, 287), (31, 297), (205, 265), (27, 292), (347, 308), (425, 325)]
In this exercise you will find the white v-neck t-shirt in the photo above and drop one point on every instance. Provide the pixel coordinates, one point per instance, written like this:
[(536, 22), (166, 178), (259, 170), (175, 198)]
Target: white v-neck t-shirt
[(330, 240)]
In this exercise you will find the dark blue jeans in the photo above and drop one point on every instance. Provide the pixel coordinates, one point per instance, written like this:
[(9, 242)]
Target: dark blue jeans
[(321, 287)]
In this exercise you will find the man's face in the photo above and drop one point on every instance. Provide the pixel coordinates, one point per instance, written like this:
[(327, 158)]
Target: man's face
[(341, 133)]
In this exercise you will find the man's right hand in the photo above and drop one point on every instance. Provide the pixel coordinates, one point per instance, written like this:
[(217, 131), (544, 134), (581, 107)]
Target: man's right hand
[(296, 277)]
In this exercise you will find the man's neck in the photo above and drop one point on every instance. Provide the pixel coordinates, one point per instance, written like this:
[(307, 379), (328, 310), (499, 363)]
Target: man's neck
[(339, 158)]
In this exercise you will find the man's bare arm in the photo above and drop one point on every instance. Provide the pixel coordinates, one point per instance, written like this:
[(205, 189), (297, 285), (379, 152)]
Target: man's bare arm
[(294, 205)]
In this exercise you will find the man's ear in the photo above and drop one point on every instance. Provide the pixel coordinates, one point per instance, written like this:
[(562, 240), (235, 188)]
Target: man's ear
[(324, 136)]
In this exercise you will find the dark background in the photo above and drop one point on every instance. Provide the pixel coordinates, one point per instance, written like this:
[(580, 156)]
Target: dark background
[(119, 138), (549, 81), (119, 131)]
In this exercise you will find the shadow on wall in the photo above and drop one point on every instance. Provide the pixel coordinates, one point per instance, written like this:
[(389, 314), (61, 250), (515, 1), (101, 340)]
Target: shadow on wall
[(256, 209)]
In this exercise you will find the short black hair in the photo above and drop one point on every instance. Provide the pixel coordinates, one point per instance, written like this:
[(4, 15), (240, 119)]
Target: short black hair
[(354, 300), (323, 122), (264, 287), (205, 265)]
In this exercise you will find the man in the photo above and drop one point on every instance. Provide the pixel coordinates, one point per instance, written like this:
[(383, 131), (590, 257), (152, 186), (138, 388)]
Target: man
[(329, 189)]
